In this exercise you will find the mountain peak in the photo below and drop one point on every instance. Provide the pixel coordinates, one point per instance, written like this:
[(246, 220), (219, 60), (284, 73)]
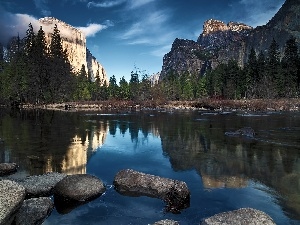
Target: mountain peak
[(212, 26)]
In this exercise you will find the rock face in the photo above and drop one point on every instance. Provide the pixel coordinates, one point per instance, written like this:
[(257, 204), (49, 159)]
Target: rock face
[(221, 42), (74, 41), (34, 211), (182, 58), (240, 217), (11, 198), (133, 183)]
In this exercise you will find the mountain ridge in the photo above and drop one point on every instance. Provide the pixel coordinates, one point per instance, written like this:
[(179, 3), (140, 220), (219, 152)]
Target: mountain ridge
[(219, 42)]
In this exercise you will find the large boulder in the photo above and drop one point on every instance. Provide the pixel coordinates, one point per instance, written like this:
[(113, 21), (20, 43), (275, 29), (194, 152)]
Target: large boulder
[(41, 185), (133, 183), (7, 168), (79, 187), (241, 216), (166, 222), (34, 211), (11, 197)]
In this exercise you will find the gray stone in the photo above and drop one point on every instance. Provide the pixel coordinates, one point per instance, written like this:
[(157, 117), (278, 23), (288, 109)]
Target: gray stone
[(245, 131), (11, 197), (79, 187), (133, 183), (41, 185), (166, 222), (243, 216), (34, 211), (7, 168)]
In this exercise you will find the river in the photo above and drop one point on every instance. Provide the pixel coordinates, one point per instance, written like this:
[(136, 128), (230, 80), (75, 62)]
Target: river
[(223, 172)]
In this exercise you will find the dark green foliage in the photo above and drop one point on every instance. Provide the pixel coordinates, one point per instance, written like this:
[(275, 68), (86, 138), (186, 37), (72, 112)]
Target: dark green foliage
[(34, 73), (290, 68)]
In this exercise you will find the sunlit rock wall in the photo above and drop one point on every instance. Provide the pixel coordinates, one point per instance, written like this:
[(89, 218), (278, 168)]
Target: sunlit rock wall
[(74, 41), (95, 68)]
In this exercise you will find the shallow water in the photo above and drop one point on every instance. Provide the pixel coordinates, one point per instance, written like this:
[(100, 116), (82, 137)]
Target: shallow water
[(222, 172)]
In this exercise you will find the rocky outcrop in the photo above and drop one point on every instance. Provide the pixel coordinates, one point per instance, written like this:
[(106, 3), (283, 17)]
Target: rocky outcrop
[(41, 185), (95, 69), (166, 222), (182, 58), (79, 187), (34, 211), (7, 168), (133, 183), (74, 41), (11, 198), (240, 217), (220, 42)]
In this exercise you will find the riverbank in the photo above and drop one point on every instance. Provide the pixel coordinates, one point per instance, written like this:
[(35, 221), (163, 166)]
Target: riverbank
[(202, 104)]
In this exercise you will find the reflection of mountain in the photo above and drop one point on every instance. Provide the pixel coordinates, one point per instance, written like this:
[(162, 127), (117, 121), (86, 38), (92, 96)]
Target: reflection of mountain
[(46, 141), (230, 162), (81, 149)]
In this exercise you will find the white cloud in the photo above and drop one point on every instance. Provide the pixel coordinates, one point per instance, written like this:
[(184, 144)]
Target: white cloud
[(15, 24), (106, 4), (93, 28), (133, 4), (148, 30)]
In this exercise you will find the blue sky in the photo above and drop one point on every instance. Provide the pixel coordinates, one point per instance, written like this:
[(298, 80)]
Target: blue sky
[(124, 34)]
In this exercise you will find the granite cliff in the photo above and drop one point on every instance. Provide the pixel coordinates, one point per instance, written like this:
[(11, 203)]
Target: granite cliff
[(74, 41), (219, 42)]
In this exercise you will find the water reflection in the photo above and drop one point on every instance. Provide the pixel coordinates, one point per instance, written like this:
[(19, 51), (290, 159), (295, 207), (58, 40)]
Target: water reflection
[(44, 141)]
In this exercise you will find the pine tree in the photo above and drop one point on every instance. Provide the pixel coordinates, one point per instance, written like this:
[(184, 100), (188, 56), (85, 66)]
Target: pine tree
[(113, 87), (124, 89), (134, 85), (60, 77), (40, 66), (261, 72), (251, 75), (290, 68), (274, 81)]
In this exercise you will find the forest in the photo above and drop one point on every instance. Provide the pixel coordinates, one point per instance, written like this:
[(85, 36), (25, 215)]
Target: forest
[(35, 73)]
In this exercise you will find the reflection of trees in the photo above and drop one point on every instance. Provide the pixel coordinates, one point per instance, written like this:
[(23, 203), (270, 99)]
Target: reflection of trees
[(43, 141), (229, 162)]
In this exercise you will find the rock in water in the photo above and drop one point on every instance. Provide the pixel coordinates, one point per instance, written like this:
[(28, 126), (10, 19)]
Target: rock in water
[(245, 131), (79, 187), (133, 183), (42, 185), (11, 197), (240, 217), (34, 211), (7, 168)]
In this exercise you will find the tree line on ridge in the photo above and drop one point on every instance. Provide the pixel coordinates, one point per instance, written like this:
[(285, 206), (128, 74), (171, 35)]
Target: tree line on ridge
[(33, 72)]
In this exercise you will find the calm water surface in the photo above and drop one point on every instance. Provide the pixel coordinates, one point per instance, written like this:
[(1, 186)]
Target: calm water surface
[(222, 172)]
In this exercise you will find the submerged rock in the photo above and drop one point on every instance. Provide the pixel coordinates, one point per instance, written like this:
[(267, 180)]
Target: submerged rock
[(7, 168), (41, 185), (34, 211), (11, 197), (133, 183), (241, 216), (245, 131)]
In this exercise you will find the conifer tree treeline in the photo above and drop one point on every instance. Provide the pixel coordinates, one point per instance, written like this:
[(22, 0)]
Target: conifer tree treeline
[(36, 73)]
